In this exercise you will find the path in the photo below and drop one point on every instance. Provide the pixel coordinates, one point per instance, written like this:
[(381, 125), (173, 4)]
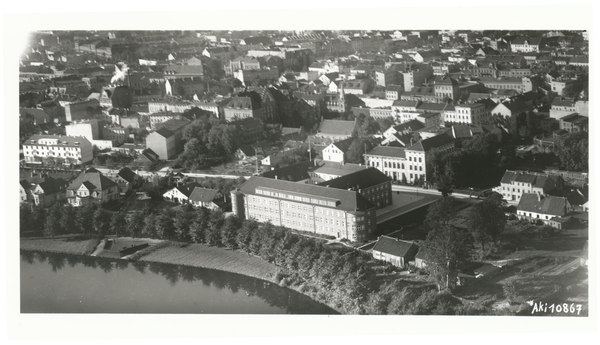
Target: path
[(99, 248)]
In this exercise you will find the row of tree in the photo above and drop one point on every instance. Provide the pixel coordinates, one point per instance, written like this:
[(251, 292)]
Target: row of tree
[(340, 278)]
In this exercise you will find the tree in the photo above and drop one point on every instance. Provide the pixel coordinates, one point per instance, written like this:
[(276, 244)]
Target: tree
[(164, 224), (67, 219), (52, 225), (183, 219), (25, 217), (487, 219), (118, 223), (101, 221), (244, 235), (440, 212), (447, 250), (229, 231), (135, 223), (357, 149), (199, 224), (573, 152), (84, 217)]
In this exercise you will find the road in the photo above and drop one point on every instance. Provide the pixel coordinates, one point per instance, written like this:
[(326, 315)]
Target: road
[(428, 191)]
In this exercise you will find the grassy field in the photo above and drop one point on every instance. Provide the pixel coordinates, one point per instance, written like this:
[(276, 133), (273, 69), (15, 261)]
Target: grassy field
[(214, 258), (69, 245)]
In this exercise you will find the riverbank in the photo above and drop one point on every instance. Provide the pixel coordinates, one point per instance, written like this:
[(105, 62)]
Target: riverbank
[(194, 255), (190, 255)]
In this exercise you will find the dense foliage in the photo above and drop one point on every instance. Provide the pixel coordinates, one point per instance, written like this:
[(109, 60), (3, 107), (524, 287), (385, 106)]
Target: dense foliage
[(340, 278)]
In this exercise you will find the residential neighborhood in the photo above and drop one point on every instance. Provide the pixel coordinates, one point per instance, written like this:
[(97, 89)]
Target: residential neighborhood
[(367, 169)]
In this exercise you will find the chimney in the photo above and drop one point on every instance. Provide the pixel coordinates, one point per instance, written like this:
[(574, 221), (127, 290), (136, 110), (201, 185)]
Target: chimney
[(539, 197), (276, 177)]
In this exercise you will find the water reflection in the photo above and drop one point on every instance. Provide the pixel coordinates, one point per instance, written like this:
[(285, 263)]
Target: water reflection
[(287, 300)]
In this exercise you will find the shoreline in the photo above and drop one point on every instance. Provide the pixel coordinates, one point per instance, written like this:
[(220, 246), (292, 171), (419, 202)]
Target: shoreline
[(177, 256)]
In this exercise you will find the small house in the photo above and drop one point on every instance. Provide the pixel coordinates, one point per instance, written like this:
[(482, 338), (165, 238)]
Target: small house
[(397, 252)]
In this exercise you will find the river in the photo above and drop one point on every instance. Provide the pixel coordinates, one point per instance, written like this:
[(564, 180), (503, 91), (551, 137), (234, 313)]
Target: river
[(58, 283)]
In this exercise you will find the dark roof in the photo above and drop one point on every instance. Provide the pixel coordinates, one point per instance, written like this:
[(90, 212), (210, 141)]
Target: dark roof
[(92, 177), (551, 205), (243, 103), (188, 188), (358, 180), (411, 125), (345, 200), (294, 172), (388, 151), (396, 247), (433, 142), (164, 132), (344, 145), (393, 87), (127, 174), (203, 194)]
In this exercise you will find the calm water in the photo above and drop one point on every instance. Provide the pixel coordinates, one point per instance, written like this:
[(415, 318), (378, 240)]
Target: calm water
[(56, 283)]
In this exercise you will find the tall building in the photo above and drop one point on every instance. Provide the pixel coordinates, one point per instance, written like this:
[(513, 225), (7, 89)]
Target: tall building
[(316, 209), (76, 150)]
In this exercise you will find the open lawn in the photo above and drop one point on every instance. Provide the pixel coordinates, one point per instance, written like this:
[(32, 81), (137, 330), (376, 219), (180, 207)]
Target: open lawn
[(69, 245), (198, 255)]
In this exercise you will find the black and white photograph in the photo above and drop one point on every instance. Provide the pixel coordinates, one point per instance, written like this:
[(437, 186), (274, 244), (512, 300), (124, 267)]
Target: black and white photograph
[(359, 176)]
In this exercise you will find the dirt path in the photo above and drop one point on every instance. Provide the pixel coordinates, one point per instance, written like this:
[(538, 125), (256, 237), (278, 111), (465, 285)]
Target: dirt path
[(99, 248)]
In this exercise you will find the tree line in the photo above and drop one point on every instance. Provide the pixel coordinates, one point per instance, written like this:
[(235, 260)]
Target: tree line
[(341, 278)]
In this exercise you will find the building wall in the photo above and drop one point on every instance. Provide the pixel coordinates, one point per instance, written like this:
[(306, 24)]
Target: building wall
[(88, 129), (163, 147), (81, 153), (310, 218)]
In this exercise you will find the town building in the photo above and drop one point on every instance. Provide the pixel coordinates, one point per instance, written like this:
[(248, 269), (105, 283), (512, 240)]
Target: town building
[(534, 207), (336, 129), (207, 198), (574, 123), (515, 183), (242, 107), (370, 183), (91, 186), (397, 252), (69, 150), (344, 214)]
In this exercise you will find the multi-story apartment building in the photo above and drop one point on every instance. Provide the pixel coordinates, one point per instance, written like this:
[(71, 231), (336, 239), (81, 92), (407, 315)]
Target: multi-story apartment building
[(410, 161), (171, 105), (393, 92), (342, 213), (118, 134), (370, 183), (80, 110), (562, 106), (526, 45), (515, 183), (574, 123), (416, 76), (242, 107), (76, 150), (474, 113)]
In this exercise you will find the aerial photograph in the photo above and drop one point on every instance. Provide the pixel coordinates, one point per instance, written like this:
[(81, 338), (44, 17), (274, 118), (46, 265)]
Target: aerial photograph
[(313, 172)]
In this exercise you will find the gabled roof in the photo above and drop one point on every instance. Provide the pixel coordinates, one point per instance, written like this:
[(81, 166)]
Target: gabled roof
[(344, 145), (358, 180), (396, 247), (127, 174), (92, 178), (388, 151), (294, 172), (550, 205), (411, 125), (187, 189), (346, 200), (433, 142)]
